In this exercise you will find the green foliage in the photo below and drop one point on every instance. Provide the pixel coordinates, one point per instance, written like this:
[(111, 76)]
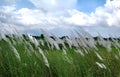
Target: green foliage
[(22, 58)]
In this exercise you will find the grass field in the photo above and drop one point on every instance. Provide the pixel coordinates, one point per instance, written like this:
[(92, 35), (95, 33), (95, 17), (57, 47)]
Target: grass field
[(27, 56)]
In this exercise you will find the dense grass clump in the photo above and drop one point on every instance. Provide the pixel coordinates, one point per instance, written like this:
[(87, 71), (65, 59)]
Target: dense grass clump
[(27, 56)]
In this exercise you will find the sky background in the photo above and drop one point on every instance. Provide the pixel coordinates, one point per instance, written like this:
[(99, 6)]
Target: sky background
[(60, 17)]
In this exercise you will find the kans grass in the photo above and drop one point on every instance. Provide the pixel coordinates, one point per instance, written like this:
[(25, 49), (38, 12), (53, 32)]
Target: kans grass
[(71, 56)]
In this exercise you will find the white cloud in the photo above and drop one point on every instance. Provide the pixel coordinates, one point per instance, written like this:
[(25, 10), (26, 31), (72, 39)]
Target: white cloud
[(110, 13), (26, 19), (107, 15), (77, 18), (28, 16)]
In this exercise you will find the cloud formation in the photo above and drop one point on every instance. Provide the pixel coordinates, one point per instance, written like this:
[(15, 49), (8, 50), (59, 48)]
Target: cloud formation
[(108, 15), (54, 17)]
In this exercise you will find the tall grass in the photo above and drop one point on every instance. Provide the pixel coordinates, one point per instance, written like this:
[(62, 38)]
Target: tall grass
[(26, 56)]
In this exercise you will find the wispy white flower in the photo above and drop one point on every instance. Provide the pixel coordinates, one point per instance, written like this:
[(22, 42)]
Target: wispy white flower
[(80, 52), (44, 57), (16, 53), (101, 65), (98, 55)]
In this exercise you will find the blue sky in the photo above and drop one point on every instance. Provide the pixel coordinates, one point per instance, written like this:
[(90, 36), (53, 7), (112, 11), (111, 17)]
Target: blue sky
[(24, 4), (81, 5), (61, 16), (89, 5)]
